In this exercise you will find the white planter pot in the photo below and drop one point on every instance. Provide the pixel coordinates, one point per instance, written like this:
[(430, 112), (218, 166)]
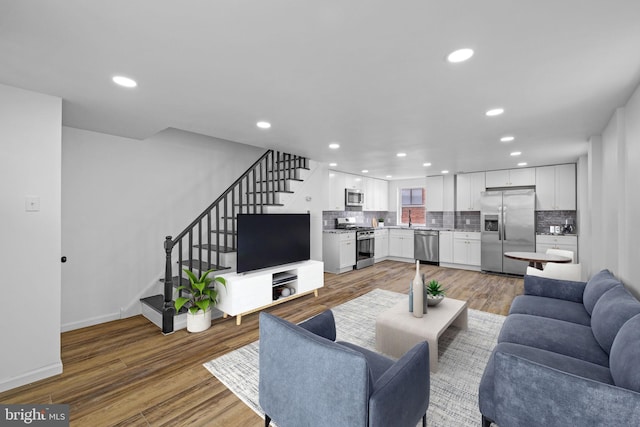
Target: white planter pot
[(201, 321)]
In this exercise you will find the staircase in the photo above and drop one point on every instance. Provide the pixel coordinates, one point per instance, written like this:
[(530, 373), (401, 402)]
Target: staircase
[(209, 242)]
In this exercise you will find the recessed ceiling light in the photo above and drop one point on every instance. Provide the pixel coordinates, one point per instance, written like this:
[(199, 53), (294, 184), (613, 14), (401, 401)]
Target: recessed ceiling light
[(358, 179), (365, 171), (522, 164), (332, 175), (507, 138), (263, 125), (401, 154), (334, 145), (494, 112), (389, 176), (516, 153), (333, 165), (460, 55), (444, 171), (124, 81), (426, 164)]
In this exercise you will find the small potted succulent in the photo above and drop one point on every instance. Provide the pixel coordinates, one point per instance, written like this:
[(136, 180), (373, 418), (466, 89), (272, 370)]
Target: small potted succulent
[(435, 293), (201, 298)]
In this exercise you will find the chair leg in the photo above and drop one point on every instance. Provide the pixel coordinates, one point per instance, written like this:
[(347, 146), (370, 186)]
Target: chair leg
[(267, 420), (424, 420), (486, 422)]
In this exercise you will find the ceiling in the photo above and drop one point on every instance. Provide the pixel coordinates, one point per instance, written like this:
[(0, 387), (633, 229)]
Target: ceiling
[(368, 74)]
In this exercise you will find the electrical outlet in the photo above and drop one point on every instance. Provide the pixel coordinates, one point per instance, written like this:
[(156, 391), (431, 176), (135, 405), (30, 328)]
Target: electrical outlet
[(326, 222), (433, 220), (32, 203), (468, 221)]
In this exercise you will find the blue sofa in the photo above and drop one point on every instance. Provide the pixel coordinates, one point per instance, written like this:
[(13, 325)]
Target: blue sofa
[(308, 379), (568, 354)]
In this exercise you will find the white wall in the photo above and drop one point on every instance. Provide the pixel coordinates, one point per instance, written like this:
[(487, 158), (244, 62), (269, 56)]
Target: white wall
[(611, 220), (120, 198), (30, 149)]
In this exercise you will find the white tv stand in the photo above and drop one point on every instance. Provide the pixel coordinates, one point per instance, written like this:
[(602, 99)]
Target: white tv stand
[(250, 292)]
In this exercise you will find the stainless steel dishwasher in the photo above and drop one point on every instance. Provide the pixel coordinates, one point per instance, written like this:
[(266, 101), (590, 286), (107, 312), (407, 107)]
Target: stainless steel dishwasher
[(426, 246)]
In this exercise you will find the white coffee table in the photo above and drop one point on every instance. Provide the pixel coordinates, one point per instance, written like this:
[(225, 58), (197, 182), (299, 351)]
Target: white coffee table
[(397, 330)]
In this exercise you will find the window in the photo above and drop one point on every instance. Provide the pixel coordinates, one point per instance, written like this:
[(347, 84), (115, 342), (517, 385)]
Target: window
[(412, 197), (412, 206)]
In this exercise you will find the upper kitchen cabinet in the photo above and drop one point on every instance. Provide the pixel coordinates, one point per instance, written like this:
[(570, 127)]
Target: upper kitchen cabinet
[(336, 191), (556, 188), (376, 194), (511, 178), (435, 193), (353, 182), (440, 193), (469, 187)]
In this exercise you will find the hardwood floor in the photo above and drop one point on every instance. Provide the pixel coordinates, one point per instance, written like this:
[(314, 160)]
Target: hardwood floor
[(126, 373)]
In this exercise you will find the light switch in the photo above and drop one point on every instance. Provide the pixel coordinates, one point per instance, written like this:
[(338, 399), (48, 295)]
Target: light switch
[(32, 203)]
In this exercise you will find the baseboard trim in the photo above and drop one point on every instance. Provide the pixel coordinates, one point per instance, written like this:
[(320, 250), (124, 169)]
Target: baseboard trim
[(31, 376), (65, 327)]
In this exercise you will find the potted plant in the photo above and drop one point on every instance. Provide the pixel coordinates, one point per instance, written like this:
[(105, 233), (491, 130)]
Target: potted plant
[(435, 293), (380, 222), (202, 298)]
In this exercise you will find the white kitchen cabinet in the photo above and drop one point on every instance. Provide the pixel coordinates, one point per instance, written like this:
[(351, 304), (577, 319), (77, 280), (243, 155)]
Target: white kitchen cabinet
[(469, 187), (381, 244), (435, 193), (354, 181), (336, 190), (466, 248), (382, 195), (556, 188), (446, 247), (511, 178), (449, 193), (401, 243), (376, 194), (568, 243), (339, 251)]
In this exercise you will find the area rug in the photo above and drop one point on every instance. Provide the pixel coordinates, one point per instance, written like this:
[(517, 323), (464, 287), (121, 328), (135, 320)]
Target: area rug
[(454, 388)]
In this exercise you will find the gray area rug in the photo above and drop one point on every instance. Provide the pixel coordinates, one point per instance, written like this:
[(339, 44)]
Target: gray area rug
[(454, 388)]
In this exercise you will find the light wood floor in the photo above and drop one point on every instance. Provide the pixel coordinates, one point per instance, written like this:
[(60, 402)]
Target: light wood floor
[(126, 373)]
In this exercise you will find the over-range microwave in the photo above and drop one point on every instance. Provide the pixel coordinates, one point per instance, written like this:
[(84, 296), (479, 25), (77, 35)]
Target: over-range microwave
[(353, 197)]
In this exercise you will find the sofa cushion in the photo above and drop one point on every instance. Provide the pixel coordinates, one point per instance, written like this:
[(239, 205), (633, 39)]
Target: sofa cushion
[(623, 359), (596, 287), (612, 310), (553, 335), (553, 308), (553, 288)]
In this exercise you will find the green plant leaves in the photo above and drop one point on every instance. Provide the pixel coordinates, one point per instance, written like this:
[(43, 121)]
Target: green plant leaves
[(201, 294)]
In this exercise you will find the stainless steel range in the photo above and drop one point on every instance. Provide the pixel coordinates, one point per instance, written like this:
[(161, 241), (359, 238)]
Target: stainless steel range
[(365, 242)]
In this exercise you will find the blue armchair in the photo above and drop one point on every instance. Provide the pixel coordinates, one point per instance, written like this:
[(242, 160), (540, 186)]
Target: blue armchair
[(308, 379)]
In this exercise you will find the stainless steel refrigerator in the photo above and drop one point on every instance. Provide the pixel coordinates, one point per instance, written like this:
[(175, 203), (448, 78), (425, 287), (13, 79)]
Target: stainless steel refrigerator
[(507, 225)]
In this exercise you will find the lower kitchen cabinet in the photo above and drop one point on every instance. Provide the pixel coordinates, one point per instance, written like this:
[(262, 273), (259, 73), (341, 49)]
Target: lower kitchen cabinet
[(466, 248), (401, 243), (569, 243), (339, 251), (446, 247), (381, 241)]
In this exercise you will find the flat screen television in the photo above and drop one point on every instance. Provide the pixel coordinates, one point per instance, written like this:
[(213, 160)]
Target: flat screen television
[(268, 240)]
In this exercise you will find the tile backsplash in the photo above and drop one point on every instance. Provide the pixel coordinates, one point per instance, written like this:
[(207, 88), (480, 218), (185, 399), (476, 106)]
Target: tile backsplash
[(362, 217), (545, 219)]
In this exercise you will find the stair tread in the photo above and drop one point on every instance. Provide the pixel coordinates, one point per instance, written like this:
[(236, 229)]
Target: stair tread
[(204, 265), (258, 204), (215, 248), (233, 233), (156, 302), (267, 192), (279, 179)]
